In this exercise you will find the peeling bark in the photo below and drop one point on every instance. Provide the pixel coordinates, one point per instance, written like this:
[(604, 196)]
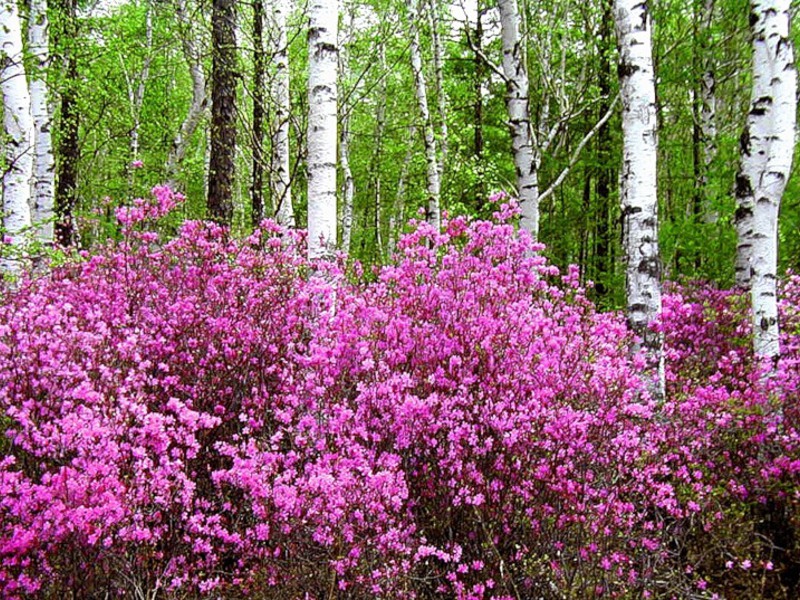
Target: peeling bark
[(519, 119), (44, 169), (433, 180), (766, 152), (322, 126), (18, 128), (280, 179), (639, 192)]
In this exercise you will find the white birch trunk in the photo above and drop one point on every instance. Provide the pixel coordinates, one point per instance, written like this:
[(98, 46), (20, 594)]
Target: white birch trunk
[(519, 120), (18, 127), (766, 152), (44, 162), (322, 126), (280, 181), (349, 185), (433, 181), (344, 141), (639, 197), (438, 69), (144, 75), (377, 151), (199, 103)]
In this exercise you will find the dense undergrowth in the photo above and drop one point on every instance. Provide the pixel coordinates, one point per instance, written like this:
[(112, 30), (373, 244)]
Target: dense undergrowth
[(207, 417)]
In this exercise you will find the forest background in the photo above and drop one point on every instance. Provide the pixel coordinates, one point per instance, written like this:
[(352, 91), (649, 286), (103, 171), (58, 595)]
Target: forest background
[(135, 79)]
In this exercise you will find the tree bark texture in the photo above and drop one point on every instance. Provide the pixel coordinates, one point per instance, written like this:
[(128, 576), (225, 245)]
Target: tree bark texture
[(193, 50), (432, 171), (281, 190), (344, 140), (222, 168), (259, 71), (44, 170), (519, 119), (639, 188), (18, 129), (322, 126), (766, 152)]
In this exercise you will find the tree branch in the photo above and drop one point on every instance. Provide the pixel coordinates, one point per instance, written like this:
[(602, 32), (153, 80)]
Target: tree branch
[(495, 69), (576, 154)]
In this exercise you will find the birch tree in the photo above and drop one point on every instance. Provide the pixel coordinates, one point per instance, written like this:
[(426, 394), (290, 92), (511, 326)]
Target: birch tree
[(397, 214), (344, 135), (766, 151), (280, 181), (420, 86), (193, 47), (375, 185), (638, 194), (438, 71), (43, 159), (18, 128), (322, 126), (704, 129), (136, 89), (519, 118)]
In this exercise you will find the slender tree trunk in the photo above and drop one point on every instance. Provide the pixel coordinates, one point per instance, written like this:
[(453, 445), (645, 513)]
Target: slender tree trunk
[(222, 168), (604, 242), (349, 184), (194, 58), (639, 197), (433, 181), (344, 141), (322, 125), (137, 93), (478, 81), (44, 161), (441, 96), (766, 152), (704, 108), (68, 122), (375, 181), (397, 216), (18, 128), (281, 170), (519, 119), (259, 70)]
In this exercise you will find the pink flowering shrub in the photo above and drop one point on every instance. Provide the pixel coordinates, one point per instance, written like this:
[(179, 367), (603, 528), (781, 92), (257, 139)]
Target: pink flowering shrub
[(729, 437), (162, 430), (206, 417)]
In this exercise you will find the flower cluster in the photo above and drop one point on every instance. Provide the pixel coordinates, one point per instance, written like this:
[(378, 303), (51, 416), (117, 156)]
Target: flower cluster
[(204, 416)]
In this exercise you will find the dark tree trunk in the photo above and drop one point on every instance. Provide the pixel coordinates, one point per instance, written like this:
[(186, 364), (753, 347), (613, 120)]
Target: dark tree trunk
[(221, 170), (68, 125), (605, 175), (259, 64)]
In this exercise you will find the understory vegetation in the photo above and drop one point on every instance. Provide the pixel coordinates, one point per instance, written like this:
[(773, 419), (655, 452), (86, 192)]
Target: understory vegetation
[(187, 415)]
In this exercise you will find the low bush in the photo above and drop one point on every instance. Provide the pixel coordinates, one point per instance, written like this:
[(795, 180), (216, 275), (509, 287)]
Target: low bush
[(208, 417)]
